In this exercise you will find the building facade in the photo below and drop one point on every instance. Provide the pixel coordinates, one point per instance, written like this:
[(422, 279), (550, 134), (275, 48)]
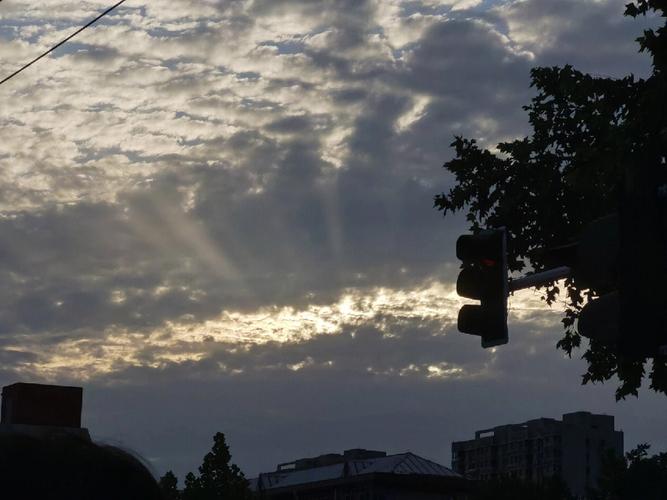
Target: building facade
[(571, 448), (362, 475)]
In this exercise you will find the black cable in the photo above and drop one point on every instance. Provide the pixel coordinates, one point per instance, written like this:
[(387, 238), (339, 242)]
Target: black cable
[(62, 42)]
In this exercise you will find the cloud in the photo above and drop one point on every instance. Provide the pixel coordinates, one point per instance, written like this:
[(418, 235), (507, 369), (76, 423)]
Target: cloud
[(239, 155), (563, 35)]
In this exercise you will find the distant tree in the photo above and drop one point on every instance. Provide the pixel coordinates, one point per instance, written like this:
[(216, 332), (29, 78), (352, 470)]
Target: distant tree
[(515, 489), (192, 489), (169, 486), (634, 476), (547, 187), (218, 479)]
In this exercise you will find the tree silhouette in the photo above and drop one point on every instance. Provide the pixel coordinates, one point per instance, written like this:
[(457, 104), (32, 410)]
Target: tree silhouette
[(169, 486), (545, 188), (635, 476), (218, 479), (192, 489)]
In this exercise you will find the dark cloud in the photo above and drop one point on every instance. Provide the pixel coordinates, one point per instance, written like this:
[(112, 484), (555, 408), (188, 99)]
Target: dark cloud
[(592, 36), (349, 96), (295, 125), (466, 59), (93, 53)]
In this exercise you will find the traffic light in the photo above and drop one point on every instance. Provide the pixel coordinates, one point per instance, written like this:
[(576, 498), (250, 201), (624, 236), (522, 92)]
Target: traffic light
[(643, 261), (623, 258), (484, 277), (596, 268)]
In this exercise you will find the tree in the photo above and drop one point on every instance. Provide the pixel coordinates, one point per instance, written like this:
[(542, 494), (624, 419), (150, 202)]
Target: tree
[(192, 489), (218, 479), (169, 486), (547, 187), (635, 476)]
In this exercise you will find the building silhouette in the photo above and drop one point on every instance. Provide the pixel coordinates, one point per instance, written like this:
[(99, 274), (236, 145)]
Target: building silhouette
[(362, 475), (45, 453), (571, 448), (42, 410)]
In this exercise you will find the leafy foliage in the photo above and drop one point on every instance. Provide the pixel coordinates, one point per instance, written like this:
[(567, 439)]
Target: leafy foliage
[(217, 479), (169, 486), (547, 187), (193, 489), (635, 476)]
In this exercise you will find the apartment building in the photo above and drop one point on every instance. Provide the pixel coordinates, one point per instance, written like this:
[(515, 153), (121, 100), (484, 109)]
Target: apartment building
[(571, 448)]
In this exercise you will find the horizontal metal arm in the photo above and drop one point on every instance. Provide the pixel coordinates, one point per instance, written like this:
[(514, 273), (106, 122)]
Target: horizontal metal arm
[(539, 279)]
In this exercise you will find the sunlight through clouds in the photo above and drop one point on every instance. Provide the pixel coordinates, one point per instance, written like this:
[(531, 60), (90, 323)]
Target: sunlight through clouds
[(181, 342), (187, 178)]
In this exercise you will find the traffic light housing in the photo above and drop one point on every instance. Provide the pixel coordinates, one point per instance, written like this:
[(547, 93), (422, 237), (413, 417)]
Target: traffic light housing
[(623, 258), (643, 261), (483, 277)]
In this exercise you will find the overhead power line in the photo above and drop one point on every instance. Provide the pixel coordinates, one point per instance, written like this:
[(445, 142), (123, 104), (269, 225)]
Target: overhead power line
[(61, 42)]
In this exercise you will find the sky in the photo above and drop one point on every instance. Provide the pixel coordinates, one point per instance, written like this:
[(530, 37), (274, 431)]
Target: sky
[(216, 215)]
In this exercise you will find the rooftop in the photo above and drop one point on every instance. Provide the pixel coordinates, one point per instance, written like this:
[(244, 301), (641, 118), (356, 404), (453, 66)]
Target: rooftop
[(399, 464)]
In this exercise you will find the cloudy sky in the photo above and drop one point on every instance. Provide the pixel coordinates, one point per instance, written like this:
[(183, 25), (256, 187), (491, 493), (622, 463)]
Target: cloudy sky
[(216, 215)]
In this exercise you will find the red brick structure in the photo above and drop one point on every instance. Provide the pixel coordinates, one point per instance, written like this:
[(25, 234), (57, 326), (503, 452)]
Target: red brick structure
[(38, 404)]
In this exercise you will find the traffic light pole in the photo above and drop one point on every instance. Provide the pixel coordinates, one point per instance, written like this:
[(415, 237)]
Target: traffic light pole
[(540, 279)]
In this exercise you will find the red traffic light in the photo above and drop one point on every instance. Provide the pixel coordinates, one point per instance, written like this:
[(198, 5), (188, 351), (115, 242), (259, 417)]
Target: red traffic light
[(484, 277)]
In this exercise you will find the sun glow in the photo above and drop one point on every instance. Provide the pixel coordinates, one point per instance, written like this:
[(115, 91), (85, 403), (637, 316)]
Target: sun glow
[(191, 341)]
